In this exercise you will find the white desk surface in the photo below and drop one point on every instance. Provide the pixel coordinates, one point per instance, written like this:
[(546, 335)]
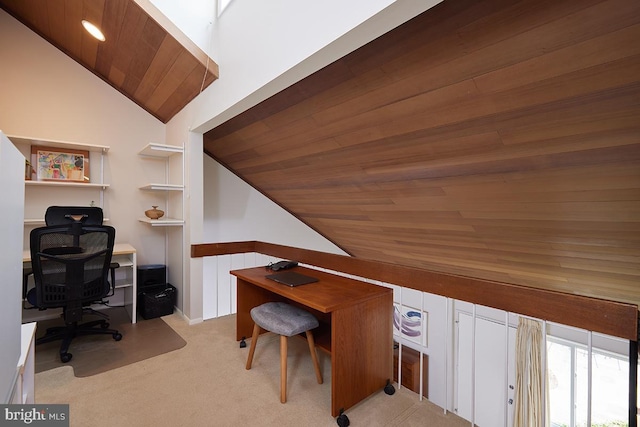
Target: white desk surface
[(118, 249)]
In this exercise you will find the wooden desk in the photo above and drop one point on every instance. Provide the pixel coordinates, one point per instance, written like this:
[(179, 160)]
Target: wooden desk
[(355, 326)]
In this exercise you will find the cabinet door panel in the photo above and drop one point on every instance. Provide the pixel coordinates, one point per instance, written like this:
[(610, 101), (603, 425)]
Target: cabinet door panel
[(490, 370)]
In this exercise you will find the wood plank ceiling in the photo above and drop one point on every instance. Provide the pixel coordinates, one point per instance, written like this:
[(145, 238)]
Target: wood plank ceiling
[(493, 139), (155, 66)]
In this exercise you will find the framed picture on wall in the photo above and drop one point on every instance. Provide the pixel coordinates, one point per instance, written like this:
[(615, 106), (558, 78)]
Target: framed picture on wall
[(410, 323), (55, 164)]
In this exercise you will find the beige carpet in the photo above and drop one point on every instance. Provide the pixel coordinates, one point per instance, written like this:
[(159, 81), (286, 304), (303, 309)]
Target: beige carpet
[(205, 384), (93, 354)]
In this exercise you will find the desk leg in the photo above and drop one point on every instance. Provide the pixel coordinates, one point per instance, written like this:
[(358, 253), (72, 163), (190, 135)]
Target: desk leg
[(361, 351)]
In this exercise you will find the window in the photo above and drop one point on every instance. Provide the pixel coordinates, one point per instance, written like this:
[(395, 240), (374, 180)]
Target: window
[(567, 364)]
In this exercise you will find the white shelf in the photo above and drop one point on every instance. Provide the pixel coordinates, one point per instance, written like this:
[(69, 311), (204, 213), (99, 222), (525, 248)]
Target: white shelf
[(122, 283), (65, 184), (163, 222), (162, 187), (160, 150), (58, 144)]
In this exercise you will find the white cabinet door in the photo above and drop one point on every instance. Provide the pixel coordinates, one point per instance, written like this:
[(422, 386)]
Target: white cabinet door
[(490, 391)]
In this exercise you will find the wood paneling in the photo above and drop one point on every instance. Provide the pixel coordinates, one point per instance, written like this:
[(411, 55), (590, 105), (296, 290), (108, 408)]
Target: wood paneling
[(491, 139), (153, 65), (593, 314)]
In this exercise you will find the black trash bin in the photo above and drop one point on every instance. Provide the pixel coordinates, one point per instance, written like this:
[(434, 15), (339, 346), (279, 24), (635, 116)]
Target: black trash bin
[(155, 297), (157, 300)]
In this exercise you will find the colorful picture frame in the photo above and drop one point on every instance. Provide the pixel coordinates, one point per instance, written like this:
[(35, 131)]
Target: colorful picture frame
[(55, 164), (410, 323)]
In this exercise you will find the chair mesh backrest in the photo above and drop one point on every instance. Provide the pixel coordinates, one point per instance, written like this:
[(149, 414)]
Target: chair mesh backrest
[(71, 263)]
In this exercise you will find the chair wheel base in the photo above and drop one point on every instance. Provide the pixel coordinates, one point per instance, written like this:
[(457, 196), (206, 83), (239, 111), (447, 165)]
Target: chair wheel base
[(343, 420), (389, 388), (117, 336)]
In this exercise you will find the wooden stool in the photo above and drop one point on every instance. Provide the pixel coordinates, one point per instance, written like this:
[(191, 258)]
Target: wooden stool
[(285, 320)]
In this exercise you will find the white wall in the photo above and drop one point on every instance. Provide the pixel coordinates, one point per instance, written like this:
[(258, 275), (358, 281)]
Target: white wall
[(239, 212), (263, 47), (183, 268), (11, 219), (47, 95)]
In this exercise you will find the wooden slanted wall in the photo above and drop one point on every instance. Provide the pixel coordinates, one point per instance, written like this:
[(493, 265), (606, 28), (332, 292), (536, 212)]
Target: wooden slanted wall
[(492, 140)]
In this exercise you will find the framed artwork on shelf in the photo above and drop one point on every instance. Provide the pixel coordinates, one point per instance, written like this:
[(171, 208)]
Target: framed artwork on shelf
[(56, 164)]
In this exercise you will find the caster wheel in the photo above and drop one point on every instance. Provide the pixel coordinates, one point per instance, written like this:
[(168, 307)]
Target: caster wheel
[(389, 388), (117, 336), (65, 357), (104, 325), (243, 343), (343, 420)]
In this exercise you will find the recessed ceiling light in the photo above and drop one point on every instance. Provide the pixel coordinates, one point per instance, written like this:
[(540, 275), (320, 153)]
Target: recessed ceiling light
[(93, 30)]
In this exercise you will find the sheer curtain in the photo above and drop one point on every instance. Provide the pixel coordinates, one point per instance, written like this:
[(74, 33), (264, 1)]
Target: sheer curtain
[(529, 375)]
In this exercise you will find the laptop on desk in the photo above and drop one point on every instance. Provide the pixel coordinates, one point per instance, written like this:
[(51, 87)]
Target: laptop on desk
[(291, 278)]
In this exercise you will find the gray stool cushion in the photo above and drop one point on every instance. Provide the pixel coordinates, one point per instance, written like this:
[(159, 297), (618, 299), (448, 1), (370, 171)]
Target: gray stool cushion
[(283, 319)]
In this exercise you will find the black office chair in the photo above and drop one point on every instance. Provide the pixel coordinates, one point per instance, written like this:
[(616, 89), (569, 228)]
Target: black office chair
[(67, 215), (70, 267)]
